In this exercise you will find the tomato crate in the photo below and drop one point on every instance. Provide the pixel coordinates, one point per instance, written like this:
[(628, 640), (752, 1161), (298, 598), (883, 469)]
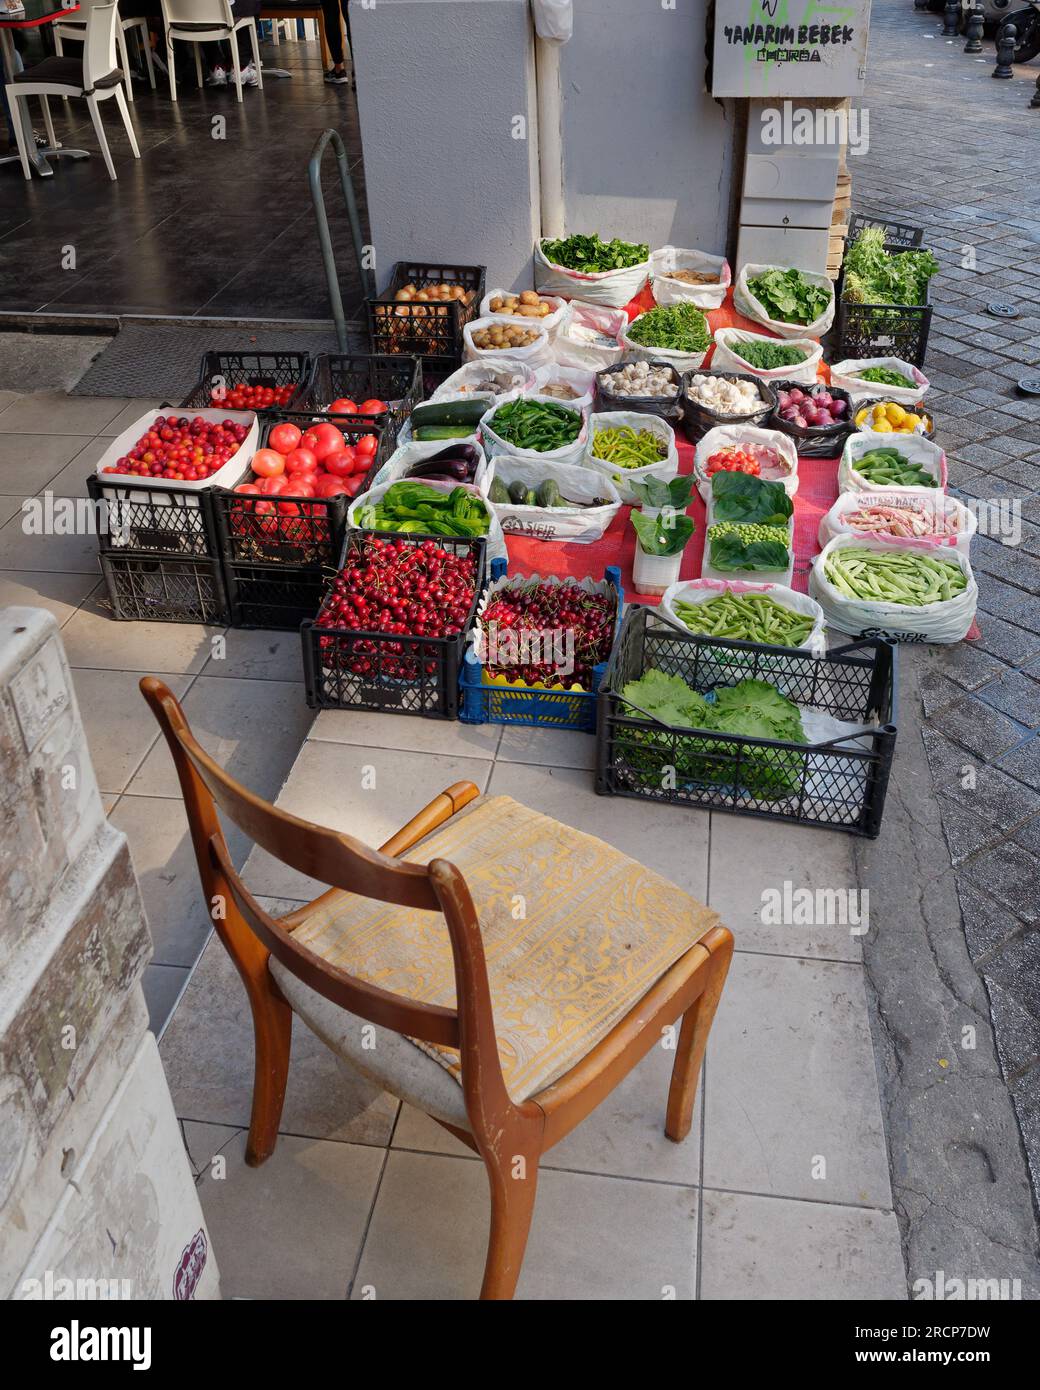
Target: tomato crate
[(158, 588), (836, 780), (393, 673), (231, 369), (131, 516), (359, 377), (484, 702), (424, 329)]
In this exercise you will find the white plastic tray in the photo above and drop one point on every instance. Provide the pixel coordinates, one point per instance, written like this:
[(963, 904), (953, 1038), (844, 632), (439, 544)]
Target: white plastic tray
[(751, 576)]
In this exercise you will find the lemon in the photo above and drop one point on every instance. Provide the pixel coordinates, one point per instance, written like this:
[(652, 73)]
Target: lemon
[(895, 413), (911, 422), (883, 427), (862, 415)]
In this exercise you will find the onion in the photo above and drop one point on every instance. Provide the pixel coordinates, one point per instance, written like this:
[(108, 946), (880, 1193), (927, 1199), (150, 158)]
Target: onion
[(824, 398), (796, 395), (837, 407)]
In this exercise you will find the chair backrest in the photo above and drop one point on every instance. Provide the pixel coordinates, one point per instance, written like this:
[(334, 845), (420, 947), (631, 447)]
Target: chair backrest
[(198, 12), (99, 44), (333, 859)]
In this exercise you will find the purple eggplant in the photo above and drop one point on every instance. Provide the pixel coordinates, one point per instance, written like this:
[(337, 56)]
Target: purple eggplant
[(458, 469)]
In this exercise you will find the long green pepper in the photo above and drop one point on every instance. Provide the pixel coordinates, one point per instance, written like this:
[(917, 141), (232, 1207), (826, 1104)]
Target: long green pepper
[(536, 425)]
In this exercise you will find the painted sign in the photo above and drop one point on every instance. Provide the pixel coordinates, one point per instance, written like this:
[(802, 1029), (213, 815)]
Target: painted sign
[(790, 48)]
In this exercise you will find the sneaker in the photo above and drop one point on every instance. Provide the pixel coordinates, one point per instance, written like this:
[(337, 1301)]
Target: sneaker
[(338, 79), (249, 75), (217, 78)]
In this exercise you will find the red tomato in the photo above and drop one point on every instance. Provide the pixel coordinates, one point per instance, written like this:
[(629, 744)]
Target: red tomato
[(272, 487), (352, 486), (285, 438), (308, 439), (332, 487), (372, 407), (341, 463), (268, 463), (289, 508), (302, 485), (366, 446), (329, 440), (250, 488), (344, 406), (302, 461)]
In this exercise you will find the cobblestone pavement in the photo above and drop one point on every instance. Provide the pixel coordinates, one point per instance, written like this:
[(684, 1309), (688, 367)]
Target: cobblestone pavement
[(968, 148)]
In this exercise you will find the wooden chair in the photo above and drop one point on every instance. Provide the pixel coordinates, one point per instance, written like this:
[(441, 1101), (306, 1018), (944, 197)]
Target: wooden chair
[(454, 1066)]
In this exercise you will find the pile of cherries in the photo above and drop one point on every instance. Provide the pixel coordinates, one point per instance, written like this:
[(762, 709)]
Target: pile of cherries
[(251, 395), (563, 616), (182, 449), (401, 589)]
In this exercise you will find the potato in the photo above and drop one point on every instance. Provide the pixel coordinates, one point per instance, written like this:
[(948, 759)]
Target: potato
[(496, 304), (529, 311), (543, 309), (529, 297)]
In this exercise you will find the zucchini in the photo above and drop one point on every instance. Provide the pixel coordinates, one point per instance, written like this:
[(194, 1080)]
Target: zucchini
[(549, 495), (427, 432), (450, 413), (518, 494), (531, 499), (498, 493)]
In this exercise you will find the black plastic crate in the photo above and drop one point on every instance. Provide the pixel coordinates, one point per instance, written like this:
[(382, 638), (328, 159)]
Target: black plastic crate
[(882, 330), (836, 785), (391, 673), (436, 370), (274, 596), (255, 368), (167, 520), (432, 329), (361, 376), (899, 235), (165, 588)]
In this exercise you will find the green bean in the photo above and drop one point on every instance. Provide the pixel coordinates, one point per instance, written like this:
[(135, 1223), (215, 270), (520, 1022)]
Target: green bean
[(746, 618)]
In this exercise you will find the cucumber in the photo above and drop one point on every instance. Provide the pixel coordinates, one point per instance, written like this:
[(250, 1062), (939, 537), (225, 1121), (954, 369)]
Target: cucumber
[(450, 413), (498, 493), (427, 432), (549, 495), (531, 500), (518, 494)]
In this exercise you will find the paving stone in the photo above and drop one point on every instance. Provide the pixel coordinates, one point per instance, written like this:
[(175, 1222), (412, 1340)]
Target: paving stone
[(966, 833), (1009, 874), (987, 924), (968, 666), (1017, 695), (981, 456), (937, 692), (1012, 644), (1003, 600), (988, 792), (983, 731), (1024, 763), (1015, 967)]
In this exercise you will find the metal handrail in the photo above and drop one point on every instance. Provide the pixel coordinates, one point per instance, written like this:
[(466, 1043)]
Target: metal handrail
[(368, 284)]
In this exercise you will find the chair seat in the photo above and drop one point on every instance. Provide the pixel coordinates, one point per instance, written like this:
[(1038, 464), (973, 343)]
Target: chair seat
[(66, 72), (574, 932)]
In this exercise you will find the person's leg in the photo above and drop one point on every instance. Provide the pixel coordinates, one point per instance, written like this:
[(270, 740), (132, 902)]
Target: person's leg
[(334, 39)]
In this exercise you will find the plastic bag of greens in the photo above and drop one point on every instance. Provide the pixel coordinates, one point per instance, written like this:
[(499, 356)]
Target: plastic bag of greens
[(849, 376), (635, 424), (611, 287), (573, 451), (699, 591), (727, 356), (791, 286)]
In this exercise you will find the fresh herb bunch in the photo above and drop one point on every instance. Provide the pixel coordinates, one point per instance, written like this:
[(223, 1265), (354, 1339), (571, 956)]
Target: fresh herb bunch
[(765, 355), (789, 297), (580, 252), (885, 376), (678, 327), (876, 276)]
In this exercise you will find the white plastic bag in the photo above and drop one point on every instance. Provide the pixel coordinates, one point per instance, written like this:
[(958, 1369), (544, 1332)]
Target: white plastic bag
[(533, 355), (550, 322), (359, 513), (665, 469), (589, 337), (934, 622), (727, 360), (681, 361), (695, 591), (746, 303), (668, 291), (579, 379), (928, 502), (610, 287), (553, 19), (406, 456), (723, 435), (911, 446), (577, 524), (847, 375), (569, 453), (468, 380)]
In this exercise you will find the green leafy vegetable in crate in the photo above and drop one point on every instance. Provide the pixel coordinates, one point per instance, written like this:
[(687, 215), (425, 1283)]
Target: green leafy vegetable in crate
[(739, 496), (540, 426), (893, 576), (416, 508), (789, 296), (674, 327), (876, 276), (589, 253), (889, 468), (751, 708), (737, 546), (746, 618), (767, 355), (885, 376)]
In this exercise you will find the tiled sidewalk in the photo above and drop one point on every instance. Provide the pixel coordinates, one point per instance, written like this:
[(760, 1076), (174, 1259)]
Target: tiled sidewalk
[(363, 1193)]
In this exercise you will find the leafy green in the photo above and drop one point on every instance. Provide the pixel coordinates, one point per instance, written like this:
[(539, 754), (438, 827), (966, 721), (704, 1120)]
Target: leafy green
[(666, 534), (655, 492), (876, 276), (884, 376), (743, 497), (588, 253), (789, 297), (667, 698), (767, 355), (731, 552), (676, 327)]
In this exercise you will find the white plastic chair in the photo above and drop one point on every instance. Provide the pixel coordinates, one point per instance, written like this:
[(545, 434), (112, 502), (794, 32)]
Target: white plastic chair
[(74, 27), (94, 77), (207, 21)]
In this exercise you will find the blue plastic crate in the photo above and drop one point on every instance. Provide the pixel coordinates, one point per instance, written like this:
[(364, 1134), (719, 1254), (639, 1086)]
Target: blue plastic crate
[(517, 704)]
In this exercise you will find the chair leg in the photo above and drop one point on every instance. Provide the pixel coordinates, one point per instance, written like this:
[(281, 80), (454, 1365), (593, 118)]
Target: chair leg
[(693, 1039), (198, 63), (124, 60), (512, 1205), (169, 68), (17, 116), (236, 70), (272, 1037), (124, 111), (59, 45), (255, 42), (106, 153), (48, 123), (146, 45)]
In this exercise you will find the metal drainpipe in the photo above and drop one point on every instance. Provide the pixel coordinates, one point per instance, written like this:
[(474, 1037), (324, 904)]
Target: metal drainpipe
[(550, 135)]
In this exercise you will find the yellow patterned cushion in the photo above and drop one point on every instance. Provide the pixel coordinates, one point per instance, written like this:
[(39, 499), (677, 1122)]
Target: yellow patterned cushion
[(575, 933)]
